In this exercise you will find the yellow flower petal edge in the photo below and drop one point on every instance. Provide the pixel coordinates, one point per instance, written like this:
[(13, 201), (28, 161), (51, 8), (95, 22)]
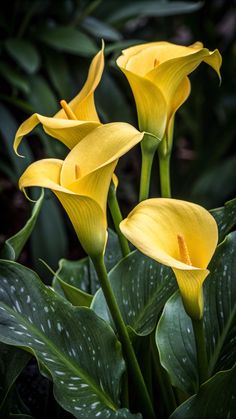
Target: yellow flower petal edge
[(70, 131), (82, 180), (179, 234)]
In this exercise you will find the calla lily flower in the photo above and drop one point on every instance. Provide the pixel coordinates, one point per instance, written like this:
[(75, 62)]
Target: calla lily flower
[(158, 75), (178, 234), (82, 180), (76, 119)]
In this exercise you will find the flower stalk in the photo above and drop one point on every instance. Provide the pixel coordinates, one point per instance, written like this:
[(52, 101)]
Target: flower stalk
[(164, 168), (117, 218), (128, 351), (200, 349)]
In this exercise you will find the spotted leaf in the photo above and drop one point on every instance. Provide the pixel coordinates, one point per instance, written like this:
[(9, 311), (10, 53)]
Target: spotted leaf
[(77, 349), (225, 217), (174, 335), (216, 399), (141, 286)]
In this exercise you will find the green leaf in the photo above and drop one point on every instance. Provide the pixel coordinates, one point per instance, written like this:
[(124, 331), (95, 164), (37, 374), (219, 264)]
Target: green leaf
[(49, 238), (100, 29), (24, 52), (59, 73), (14, 245), (112, 107), (8, 130), (141, 287), (68, 39), (216, 399), (14, 78), (119, 46), (225, 217), (154, 8), (81, 274), (76, 296), (41, 96), (78, 350), (210, 192), (12, 362), (174, 334)]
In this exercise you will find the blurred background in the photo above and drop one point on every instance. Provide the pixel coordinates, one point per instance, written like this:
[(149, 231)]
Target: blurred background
[(46, 48)]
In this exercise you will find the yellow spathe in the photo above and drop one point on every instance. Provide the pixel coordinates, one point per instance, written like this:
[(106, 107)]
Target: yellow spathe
[(62, 126), (158, 75), (178, 234), (82, 180)]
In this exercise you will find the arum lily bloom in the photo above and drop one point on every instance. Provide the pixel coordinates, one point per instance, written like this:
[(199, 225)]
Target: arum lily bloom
[(82, 180), (158, 75), (178, 234), (76, 119)]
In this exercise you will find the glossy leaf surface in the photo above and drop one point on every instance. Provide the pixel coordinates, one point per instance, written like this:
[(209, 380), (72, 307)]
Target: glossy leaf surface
[(77, 349), (141, 286), (225, 217), (216, 399)]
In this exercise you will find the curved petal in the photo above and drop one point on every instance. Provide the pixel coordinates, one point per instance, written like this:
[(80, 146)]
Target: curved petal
[(88, 220), (150, 103), (44, 173), (96, 184), (168, 75), (107, 142), (179, 98), (24, 129), (69, 132), (155, 225), (190, 285), (181, 95), (83, 104), (86, 215)]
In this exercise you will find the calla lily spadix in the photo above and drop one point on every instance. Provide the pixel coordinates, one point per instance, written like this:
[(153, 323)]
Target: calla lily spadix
[(158, 75), (82, 180), (178, 234), (76, 119)]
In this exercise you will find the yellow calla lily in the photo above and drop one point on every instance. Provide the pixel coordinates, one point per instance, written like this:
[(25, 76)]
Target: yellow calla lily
[(82, 180), (178, 234), (76, 119), (157, 73)]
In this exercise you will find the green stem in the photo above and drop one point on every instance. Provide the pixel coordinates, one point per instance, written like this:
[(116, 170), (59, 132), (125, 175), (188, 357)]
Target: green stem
[(146, 169), (164, 166), (163, 379), (201, 350), (117, 218), (129, 354)]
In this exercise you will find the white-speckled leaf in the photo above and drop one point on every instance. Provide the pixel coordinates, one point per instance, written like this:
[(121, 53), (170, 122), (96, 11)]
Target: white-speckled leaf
[(141, 286), (216, 399), (79, 350), (174, 335), (225, 217), (81, 275)]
